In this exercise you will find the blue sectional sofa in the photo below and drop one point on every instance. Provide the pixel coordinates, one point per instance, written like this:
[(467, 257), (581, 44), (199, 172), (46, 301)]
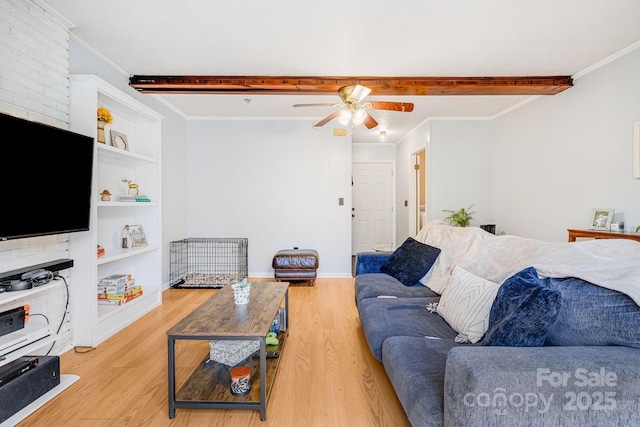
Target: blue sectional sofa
[(543, 347)]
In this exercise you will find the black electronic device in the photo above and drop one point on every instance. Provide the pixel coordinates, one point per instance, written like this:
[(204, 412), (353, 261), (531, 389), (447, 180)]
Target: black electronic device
[(15, 285), (32, 384), (37, 277), (12, 320), (52, 266), (45, 152), (16, 368)]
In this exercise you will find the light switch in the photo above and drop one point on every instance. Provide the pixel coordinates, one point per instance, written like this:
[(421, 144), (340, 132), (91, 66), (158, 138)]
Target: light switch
[(341, 201)]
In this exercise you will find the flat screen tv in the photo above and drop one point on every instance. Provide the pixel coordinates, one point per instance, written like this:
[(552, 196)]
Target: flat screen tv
[(47, 175)]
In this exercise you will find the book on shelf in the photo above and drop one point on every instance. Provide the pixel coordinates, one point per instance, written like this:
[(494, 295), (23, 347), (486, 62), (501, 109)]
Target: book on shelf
[(138, 238), (134, 198), (123, 297), (118, 301), (114, 280), (110, 302), (116, 289)]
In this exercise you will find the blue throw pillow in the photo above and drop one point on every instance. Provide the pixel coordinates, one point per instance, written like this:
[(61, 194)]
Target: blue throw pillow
[(523, 311), (410, 262)]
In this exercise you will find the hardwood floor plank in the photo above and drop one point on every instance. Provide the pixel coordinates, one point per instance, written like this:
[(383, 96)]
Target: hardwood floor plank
[(327, 375)]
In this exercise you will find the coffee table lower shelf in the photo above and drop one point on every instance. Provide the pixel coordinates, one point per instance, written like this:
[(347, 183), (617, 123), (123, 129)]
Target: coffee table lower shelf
[(208, 387)]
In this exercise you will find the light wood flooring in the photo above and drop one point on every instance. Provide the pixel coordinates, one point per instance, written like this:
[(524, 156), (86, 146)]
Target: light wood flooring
[(327, 375)]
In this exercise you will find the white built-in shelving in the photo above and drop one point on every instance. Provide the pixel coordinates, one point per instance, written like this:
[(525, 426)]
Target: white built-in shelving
[(92, 323)]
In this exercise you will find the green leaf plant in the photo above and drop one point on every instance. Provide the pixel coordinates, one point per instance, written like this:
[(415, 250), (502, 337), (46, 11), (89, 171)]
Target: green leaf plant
[(460, 218)]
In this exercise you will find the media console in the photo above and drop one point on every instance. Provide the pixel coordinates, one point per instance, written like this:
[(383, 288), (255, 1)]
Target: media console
[(28, 380)]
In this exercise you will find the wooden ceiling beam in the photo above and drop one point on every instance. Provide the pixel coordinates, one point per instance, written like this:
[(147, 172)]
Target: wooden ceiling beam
[(380, 86)]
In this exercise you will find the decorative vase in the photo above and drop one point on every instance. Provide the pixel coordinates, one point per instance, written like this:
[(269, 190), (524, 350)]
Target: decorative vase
[(101, 137)]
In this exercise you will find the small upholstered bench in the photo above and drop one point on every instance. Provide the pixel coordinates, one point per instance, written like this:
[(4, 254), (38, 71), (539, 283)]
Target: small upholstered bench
[(296, 265)]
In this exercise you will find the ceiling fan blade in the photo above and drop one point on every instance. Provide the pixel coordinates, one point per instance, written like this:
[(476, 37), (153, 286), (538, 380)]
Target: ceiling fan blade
[(326, 120), (317, 105), (391, 106), (370, 122)]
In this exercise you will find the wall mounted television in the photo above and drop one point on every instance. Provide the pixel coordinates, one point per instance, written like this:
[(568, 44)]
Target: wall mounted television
[(47, 179)]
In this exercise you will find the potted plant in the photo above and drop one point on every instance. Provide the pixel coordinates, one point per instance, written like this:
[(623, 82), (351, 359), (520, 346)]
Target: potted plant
[(460, 218)]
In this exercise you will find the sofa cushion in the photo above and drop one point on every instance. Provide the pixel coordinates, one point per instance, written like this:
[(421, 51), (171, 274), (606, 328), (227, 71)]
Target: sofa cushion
[(370, 262), (411, 261), (372, 285), (416, 368), (593, 315), (382, 318), (466, 303), (523, 311), (542, 386)]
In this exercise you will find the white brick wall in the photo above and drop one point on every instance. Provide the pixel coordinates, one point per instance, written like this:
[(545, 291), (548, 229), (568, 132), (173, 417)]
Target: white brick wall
[(34, 84)]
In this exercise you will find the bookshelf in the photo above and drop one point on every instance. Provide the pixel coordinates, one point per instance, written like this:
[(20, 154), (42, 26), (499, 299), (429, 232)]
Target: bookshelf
[(140, 163)]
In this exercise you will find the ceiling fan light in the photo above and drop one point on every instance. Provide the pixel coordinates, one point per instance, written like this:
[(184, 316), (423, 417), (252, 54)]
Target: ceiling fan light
[(344, 117), (359, 116)]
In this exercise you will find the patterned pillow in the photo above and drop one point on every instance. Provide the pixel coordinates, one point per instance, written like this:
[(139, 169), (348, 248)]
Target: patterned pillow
[(466, 303), (524, 310), (410, 262)]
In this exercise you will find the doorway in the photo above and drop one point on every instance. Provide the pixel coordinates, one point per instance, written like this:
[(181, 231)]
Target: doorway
[(372, 206), (419, 211)]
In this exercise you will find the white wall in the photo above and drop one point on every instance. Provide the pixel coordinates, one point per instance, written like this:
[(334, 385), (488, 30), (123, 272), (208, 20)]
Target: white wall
[(458, 170), (383, 152), (558, 158), (34, 85), (274, 182), (411, 144)]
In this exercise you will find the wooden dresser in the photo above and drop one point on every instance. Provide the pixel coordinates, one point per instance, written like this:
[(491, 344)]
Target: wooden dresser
[(597, 234)]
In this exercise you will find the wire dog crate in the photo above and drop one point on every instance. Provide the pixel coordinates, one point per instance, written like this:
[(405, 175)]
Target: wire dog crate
[(207, 262)]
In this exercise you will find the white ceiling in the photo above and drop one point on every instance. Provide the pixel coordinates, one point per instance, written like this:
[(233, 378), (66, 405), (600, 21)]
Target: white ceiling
[(470, 38)]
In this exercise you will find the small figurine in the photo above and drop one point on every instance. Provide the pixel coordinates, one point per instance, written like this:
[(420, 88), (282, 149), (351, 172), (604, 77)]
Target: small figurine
[(106, 196), (133, 188)]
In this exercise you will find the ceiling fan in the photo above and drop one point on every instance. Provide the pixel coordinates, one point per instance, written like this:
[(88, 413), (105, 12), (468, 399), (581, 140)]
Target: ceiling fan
[(352, 110)]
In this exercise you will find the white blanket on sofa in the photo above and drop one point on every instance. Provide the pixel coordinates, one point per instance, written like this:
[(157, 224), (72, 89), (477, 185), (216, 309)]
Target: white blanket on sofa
[(454, 243), (612, 264)]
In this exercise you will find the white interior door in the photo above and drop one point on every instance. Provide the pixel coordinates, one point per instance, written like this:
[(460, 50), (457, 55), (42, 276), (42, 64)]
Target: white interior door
[(372, 208)]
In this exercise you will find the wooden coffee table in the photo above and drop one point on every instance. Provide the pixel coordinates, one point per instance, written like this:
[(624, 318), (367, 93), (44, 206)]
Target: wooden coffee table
[(219, 318)]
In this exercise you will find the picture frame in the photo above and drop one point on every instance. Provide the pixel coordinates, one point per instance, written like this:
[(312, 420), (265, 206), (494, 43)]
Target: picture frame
[(138, 237), (601, 219), (119, 140), (636, 149)]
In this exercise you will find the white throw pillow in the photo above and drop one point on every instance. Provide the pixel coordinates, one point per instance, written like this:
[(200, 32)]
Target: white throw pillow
[(466, 304)]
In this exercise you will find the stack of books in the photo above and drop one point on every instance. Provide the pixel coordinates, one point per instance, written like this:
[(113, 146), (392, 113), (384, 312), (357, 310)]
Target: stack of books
[(101, 251), (134, 198), (117, 289)]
